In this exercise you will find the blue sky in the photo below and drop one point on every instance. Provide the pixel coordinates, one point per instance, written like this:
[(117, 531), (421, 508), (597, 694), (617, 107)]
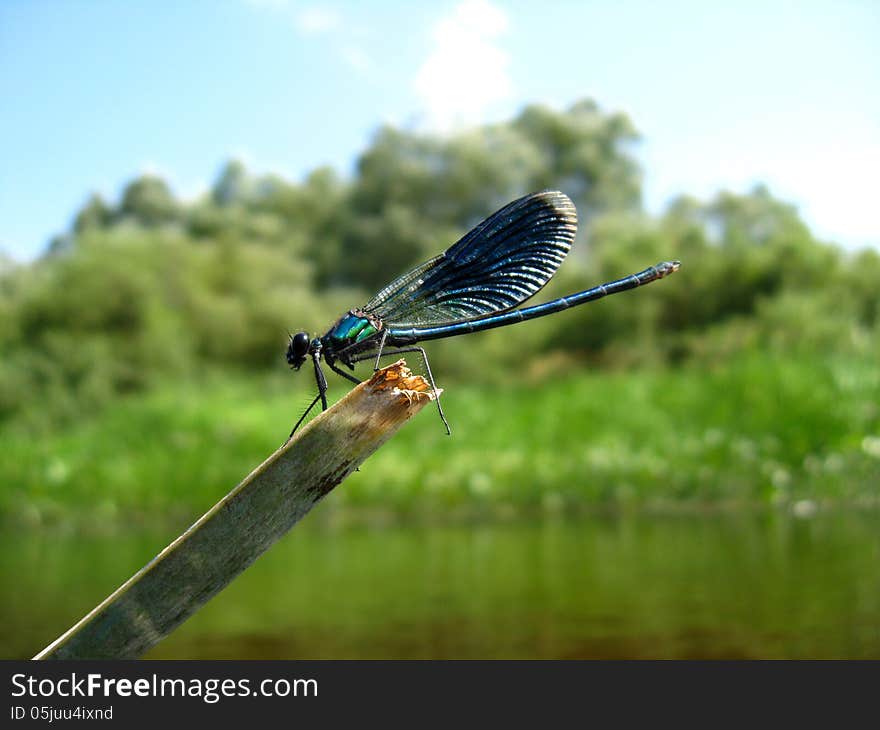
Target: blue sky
[(93, 92)]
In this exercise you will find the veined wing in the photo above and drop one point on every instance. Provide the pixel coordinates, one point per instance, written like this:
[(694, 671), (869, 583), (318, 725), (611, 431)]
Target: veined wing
[(498, 265)]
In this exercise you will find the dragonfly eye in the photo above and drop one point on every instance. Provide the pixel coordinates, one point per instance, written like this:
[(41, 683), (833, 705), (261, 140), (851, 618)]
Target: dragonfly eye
[(298, 349)]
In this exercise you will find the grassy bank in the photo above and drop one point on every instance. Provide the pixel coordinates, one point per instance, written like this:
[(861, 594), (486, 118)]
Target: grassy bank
[(755, 430)]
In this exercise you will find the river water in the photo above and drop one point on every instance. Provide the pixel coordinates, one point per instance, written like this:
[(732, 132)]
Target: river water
[(750, 584)]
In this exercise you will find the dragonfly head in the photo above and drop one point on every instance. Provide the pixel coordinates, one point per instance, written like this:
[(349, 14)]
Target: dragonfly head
[(298, 350)]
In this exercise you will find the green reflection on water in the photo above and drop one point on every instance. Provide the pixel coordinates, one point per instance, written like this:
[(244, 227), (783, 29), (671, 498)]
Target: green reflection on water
[(699, 586)]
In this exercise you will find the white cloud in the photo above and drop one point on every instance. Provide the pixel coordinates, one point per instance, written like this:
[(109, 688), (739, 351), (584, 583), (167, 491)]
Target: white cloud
[(466, 72), (836, 186), (314, 21), (357, 59), (328, 24)]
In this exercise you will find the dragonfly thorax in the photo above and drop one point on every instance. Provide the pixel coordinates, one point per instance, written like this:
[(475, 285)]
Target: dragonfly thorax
[(352, 328)]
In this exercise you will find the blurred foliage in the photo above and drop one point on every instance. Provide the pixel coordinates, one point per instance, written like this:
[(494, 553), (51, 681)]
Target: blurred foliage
[(758, 428), (153, 287)]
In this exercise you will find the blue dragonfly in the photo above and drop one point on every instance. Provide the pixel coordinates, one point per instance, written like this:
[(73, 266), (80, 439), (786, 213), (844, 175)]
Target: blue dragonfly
[(476, 285)]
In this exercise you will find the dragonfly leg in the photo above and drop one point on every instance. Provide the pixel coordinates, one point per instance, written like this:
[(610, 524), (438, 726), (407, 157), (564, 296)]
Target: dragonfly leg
[(401, 351), (343, 373), (382, 347), (321, 382), (303, 417)]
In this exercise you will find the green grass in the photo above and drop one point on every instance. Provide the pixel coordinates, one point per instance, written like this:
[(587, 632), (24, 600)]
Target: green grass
[(758, 430)]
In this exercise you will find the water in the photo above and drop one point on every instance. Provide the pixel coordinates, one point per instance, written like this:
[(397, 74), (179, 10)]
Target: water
[(742, 585)]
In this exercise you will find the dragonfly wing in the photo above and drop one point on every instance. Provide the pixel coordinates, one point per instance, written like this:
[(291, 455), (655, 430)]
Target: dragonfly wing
[(498, 265)]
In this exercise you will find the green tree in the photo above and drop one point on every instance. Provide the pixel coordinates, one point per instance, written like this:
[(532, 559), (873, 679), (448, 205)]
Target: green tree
[(148, 201), (94, 214), (233, 185)]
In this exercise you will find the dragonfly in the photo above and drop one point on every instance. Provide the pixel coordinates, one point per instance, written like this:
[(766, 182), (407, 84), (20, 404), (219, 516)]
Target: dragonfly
[(477, 284)]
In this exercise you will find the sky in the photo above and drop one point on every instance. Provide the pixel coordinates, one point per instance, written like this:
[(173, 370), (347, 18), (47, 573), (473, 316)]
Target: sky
[(726, 95)]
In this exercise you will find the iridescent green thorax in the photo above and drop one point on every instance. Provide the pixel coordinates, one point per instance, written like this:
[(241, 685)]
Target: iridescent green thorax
[(352, 328)]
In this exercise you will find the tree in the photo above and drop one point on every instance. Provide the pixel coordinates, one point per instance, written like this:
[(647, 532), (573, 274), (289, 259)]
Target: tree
[(148, 201), (586, 153), (94, 214), (232, 186)]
